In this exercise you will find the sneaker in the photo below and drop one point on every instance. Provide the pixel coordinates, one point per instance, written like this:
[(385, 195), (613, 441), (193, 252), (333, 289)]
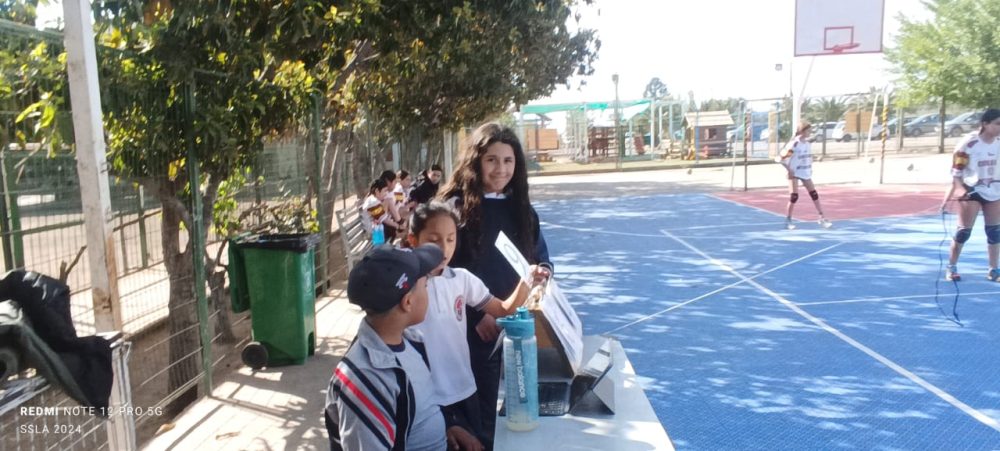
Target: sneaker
[(789, 225), (993, 275), (824, 223), (951, 273)]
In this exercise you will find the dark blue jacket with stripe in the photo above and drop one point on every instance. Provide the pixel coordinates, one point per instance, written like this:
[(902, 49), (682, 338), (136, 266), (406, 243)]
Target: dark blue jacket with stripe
[(370, 400)]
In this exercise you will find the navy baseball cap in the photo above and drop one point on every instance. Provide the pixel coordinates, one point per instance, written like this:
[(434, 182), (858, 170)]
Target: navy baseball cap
[(386, 273)]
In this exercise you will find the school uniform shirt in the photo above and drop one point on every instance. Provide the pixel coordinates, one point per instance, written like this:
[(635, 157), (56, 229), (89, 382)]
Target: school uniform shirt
[(975, 163), (797, 157), (400, 194), (363, 401), (444, 329), (372, 212)]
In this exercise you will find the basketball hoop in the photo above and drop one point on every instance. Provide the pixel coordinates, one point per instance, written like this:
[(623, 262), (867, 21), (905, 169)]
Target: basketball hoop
[(838, 27), (839, 48)]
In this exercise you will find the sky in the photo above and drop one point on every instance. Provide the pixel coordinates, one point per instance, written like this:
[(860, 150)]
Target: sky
[(719, 49)]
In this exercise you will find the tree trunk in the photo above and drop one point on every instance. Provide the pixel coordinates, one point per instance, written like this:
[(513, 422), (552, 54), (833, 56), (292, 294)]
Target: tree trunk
[(185, 341), (360, 164), (183, 319), (223, 323)]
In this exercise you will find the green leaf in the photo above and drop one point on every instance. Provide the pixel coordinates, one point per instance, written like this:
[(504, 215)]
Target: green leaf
[(29, 110), (48, 115)]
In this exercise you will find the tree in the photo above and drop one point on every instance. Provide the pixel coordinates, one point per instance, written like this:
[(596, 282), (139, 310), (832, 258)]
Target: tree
[(457, 63), (731, 104), (655, 89), (828, 109), (19, 11), (952, 58), (202, 79)]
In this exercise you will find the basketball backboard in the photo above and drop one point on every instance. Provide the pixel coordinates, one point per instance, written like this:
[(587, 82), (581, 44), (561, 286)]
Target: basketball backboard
[(836, 27)]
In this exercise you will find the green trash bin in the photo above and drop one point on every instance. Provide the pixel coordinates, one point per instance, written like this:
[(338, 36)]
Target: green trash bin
[(278, 277)]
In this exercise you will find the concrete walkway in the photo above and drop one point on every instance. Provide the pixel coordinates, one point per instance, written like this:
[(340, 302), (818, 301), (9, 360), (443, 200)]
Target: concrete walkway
[(275, 408)]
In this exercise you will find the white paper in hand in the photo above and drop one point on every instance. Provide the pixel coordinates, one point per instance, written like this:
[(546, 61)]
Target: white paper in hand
[(514, 257)]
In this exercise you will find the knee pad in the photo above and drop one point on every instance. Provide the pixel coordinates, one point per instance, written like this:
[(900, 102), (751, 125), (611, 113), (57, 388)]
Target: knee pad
[(993, 234), (793, 198), (962, 234), (814, 195)]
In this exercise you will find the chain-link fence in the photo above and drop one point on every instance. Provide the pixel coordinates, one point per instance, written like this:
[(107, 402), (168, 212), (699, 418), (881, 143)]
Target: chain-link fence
[(664, 133)]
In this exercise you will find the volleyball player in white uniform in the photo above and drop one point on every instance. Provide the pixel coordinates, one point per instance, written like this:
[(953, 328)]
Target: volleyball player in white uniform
[(973, 169), (796, 157)]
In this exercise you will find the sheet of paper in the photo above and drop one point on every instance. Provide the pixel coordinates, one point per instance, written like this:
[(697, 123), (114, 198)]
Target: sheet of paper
[(565, 322), (514, 257)]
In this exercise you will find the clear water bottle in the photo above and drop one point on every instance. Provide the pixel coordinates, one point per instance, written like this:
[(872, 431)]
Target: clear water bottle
[(378, 234), (520, 360)]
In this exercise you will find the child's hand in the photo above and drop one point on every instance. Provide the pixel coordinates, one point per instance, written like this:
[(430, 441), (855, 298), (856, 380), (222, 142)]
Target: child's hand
[(488, 329), (539, 275), (459, 438)]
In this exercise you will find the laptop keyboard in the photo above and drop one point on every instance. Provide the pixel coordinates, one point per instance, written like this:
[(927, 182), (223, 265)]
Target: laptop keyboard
[(553, 399)]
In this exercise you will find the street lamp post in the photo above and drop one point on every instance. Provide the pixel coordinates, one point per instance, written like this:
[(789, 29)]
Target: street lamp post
[(619, 139)]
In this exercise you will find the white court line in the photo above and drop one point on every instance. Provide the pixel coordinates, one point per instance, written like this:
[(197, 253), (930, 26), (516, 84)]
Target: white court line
[(657, 235), (721, 289), (746, 205), (892, 298), (946, 397), (606, 232), (721, 226)]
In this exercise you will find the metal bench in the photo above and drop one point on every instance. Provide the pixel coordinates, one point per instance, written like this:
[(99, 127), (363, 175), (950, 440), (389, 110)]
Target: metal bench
[(353, 234)]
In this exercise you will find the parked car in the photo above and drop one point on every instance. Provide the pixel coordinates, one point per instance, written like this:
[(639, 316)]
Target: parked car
[(923, 124), (840, 134), (822, 131), (961, 124)]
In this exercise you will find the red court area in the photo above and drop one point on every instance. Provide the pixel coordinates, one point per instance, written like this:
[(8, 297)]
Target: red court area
[(847, 201)]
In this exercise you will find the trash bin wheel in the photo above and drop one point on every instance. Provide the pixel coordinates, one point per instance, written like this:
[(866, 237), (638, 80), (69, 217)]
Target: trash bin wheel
[(254, 355)]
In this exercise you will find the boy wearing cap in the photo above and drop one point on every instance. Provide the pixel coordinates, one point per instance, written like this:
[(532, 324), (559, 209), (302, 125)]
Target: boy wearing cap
[(378, 396)]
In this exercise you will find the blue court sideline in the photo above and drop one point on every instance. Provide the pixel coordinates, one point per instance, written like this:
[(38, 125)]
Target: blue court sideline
[(748, 336)]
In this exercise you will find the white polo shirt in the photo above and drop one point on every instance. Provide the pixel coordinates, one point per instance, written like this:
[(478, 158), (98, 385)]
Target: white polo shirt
[(444, 330)]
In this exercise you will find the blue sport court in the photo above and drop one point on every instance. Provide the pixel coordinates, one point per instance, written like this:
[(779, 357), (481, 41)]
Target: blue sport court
[(749, 336)]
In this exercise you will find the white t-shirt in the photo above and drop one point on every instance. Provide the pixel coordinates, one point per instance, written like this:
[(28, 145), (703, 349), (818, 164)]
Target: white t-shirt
[(443, 331), (975, 162), (797, 157)]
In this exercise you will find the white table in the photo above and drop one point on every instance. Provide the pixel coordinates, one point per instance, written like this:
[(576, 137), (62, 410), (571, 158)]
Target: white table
[(634, 425)]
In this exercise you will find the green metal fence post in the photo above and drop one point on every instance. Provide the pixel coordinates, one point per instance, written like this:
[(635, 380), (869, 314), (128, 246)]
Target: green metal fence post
[(5, 234), (14, 214), (143, 246), (197, 235), (324, 228)]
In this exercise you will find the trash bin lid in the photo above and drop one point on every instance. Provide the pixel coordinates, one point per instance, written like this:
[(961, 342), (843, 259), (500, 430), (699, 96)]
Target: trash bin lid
[(295, 242)]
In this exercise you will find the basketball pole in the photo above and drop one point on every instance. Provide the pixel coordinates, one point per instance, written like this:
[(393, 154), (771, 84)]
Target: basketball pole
[(797, 101)]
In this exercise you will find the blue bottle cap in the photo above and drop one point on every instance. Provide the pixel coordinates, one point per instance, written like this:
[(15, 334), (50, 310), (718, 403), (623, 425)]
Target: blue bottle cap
[(519, 325)]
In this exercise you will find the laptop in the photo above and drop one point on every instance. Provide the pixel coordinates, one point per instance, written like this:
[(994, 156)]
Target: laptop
[(557, 395)]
